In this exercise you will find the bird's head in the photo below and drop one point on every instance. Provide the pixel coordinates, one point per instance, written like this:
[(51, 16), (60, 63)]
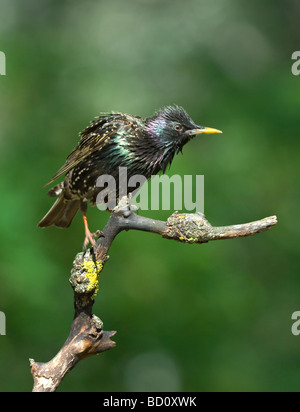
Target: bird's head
[(172, 128)]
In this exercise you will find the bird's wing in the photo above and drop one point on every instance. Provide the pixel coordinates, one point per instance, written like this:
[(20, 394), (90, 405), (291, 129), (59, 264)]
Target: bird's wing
[(93, 138)]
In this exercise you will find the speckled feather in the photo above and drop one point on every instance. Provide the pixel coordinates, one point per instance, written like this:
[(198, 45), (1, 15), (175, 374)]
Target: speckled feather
[(113, 140)]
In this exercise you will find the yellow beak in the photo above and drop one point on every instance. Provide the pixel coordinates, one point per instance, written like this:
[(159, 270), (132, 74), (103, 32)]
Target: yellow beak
[(206, 130)]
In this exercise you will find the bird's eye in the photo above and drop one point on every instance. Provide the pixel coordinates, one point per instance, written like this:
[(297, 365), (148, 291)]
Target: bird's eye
[(178, 127)]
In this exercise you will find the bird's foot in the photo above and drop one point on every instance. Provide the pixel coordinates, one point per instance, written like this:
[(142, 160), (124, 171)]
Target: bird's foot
[(90, 238)]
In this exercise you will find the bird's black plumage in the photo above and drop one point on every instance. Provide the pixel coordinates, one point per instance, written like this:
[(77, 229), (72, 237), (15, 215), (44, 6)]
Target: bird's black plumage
[(144, 146)]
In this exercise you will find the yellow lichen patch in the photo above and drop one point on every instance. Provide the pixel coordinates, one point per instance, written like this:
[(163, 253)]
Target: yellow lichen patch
[(92, 272), (192, 240), (188, 240), (181, 217)]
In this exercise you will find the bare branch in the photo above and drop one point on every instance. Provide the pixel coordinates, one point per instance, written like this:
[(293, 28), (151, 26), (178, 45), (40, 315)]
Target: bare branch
[(183, 227), (194, 228), (87, 337)]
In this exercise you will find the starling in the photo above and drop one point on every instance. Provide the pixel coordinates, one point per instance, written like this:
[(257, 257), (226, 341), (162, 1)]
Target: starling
[(145, 146)]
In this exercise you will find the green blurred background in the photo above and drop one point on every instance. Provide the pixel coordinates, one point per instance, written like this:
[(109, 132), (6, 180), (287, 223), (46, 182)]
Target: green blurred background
[(212, 317)]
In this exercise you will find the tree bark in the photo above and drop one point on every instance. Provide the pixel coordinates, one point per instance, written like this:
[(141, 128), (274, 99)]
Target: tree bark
[(87, 337)]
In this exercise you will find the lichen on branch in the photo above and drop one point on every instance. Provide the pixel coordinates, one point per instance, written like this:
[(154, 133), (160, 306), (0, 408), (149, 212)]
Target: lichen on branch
[(87, 337)]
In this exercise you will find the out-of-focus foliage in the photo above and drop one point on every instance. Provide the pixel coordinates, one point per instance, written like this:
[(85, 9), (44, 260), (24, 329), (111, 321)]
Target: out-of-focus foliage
[(215, 317)]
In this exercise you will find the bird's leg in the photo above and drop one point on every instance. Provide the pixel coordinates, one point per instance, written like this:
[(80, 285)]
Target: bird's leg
[(89, 237)]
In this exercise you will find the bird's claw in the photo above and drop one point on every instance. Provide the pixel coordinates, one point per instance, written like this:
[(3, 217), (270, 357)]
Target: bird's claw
[(90, 238)]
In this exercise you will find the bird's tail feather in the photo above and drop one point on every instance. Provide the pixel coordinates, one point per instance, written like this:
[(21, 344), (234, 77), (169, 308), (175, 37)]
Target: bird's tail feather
[(61, 213)]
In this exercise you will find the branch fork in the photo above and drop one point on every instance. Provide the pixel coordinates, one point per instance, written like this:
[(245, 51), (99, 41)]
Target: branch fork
[(87, 337)]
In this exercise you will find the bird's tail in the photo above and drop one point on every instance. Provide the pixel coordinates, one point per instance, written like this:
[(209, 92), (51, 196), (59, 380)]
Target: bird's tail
[(61, 213)]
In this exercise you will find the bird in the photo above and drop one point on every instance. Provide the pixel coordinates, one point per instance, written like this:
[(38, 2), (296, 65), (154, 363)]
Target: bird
[(144, 146)]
